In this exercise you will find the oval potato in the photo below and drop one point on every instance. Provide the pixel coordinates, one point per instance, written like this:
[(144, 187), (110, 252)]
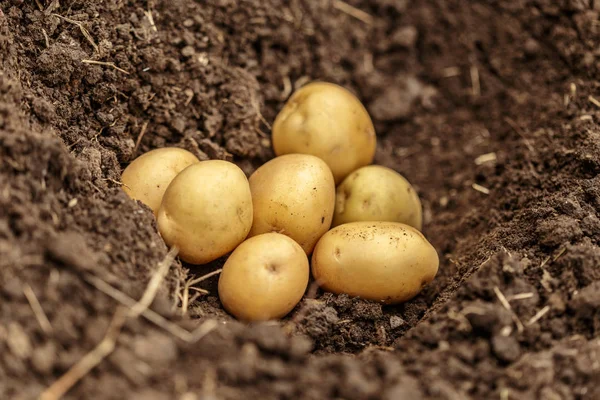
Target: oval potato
[(376, 193), (147, 177), (387, 262), (206, 211), (327, 121), (295, 195), (264, 278)]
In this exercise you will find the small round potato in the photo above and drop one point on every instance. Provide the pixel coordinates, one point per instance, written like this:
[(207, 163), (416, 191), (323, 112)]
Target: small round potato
[(376, 193), (294, 195), (206, 211), (264, 278), (148, 176), (388, 262), (327, 121)]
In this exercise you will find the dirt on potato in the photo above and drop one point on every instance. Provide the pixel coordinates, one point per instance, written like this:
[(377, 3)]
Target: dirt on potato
[(490, 108)]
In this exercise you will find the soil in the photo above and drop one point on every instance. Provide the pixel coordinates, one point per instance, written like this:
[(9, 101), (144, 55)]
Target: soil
[(490, 108)]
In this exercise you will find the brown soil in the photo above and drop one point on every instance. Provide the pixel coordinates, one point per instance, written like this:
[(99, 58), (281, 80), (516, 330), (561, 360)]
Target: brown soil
[(446, 82)]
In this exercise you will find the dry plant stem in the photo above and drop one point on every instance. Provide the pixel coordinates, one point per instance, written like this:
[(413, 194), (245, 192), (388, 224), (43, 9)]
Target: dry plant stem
[(116, 182), (106, 64), (185, 300), (151, 20), (205, 277), (520, 296), (150, 315), (506, 305), (89, 361), (107, 345), (560, 253), (485, 158), (83, 30), (200, 290), (481, 189), (353, 11), (156, 319), (140, 137), (476, 85), (538, 315), (154, 284), (38, 311), (594, 101)]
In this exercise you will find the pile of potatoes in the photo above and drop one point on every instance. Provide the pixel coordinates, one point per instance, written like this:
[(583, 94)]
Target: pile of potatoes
[(364, 235)]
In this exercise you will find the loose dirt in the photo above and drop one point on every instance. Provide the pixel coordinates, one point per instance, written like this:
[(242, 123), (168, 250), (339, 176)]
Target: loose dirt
[(490, 108)]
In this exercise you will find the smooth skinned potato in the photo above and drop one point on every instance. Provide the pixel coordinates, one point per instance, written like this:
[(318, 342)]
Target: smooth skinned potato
[(264, 278), (387, 262), (148, 176), (376, 193), (327, 121), (206, 211), (294, 195)]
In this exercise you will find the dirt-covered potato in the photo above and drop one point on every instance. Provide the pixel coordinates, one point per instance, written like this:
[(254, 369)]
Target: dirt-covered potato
[(148, 176), (206, 211), (294, 195), (264, 278), (327, 121), (376, 193), (388, 262)]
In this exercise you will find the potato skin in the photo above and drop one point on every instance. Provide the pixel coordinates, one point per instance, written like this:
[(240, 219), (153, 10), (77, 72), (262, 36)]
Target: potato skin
[(376, 193), (264, 278), (147, 177), (327, 121), (206, 211), (295, 195), (387, 262)]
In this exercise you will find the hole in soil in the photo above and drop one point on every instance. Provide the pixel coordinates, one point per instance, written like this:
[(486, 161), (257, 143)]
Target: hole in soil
[(494, 124)]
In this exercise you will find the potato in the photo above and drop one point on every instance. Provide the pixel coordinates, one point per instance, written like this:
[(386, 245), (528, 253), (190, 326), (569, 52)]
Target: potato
[(387, 262), (148, 176), (206, 211), (264, 278), (327, 121), (376, 193), (294, 195)]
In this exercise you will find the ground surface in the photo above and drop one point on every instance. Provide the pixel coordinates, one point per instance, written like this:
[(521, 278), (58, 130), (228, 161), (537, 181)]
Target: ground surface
[(515, 310)]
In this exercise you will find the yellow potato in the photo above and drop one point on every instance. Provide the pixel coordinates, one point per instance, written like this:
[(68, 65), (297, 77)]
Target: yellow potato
[(294, 195), (206, 211), (376, 193), (264, 278), (327, 121), (148, 176), (388, 262)]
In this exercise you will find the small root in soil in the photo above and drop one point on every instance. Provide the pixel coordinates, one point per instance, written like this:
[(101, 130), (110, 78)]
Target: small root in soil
[(506, 305), (82, 28), (185, 299), (106, 64), (140, 137)]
